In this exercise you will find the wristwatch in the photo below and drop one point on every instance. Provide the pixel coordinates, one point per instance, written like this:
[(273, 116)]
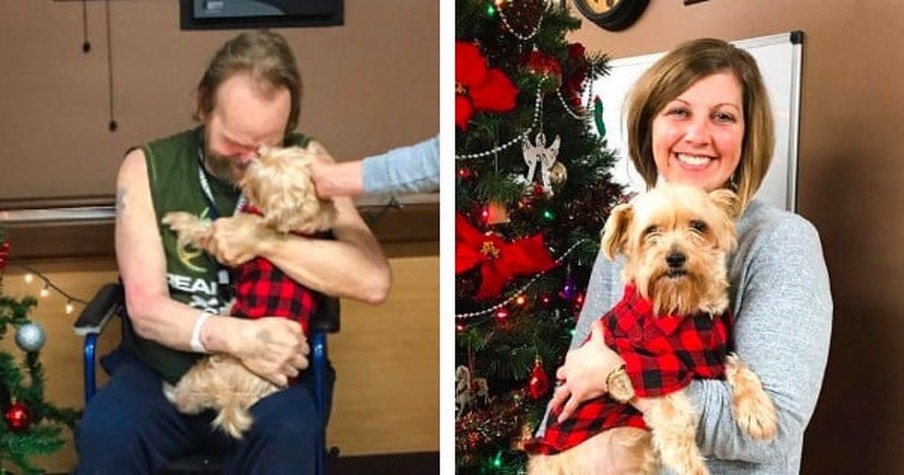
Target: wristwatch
[(619, 385)]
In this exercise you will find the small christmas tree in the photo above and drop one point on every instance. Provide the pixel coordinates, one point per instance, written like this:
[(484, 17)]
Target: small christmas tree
[(533, 191), (32, 426)]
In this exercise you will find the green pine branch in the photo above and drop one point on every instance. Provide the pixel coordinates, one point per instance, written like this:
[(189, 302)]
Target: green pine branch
[(535, 314), (23, 382)]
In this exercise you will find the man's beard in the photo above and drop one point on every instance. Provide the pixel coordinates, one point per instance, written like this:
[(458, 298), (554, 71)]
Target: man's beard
[(224, 168)]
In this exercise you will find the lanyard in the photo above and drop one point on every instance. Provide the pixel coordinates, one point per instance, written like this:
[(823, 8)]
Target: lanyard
[(212, 211), (213, 214)]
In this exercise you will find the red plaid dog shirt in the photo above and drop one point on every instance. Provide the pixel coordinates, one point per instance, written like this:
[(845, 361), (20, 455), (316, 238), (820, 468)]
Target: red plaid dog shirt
[(662, 355), (263, 290)]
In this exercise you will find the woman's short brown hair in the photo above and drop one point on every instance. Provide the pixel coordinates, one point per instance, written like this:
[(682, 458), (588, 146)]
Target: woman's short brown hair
[(677, 71), (266, 57)]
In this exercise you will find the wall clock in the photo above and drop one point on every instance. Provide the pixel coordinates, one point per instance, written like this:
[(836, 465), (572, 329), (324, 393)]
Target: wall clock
[(613, 15)]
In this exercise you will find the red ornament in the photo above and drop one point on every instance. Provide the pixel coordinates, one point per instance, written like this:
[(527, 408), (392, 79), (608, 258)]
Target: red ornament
[(538, 385), (4, 254), (544, 65), (574, 83), (18, 418)]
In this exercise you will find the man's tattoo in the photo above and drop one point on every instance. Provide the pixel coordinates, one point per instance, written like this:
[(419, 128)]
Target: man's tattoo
[(120, 201)]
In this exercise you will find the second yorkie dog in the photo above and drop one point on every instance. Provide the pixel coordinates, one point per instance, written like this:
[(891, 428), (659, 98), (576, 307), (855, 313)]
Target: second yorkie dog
[(280, 199), (670, 327)]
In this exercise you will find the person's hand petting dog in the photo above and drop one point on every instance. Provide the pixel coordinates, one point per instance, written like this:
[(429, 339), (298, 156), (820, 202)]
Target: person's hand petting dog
[(332, 179), (583, 375)]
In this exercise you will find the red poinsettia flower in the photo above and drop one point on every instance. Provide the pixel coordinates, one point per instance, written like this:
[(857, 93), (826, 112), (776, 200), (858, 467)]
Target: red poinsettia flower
[(499, 261), (478, 88)]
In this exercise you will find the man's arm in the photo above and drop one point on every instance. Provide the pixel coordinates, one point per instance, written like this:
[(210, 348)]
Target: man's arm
[(351, 266), (155, 316)]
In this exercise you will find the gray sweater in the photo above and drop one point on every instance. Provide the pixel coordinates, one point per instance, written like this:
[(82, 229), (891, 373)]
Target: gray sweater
[(780, 295), (410, 169)]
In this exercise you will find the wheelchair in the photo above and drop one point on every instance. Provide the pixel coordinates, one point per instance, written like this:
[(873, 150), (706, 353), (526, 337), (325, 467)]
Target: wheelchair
[(109, 302)]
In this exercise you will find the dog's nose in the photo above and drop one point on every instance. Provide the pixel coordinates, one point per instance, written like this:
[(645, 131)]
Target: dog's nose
[(675, 259)]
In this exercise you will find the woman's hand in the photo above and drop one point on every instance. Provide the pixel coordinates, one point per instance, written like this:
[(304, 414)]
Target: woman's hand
[(337, 179), (583, 376), (274, 348)]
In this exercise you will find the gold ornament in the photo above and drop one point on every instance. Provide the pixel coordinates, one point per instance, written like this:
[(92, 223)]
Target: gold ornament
[(558, 173)]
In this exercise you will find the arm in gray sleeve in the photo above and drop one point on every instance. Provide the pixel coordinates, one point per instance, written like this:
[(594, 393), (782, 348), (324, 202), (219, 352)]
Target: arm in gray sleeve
[(411, 169), (604, 290), (784, 317)]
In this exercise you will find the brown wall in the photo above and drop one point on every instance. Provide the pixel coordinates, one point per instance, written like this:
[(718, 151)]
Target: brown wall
[(370, 85), (850, 187)]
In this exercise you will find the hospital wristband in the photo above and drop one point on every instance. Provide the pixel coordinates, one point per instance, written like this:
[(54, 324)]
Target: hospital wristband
[(195, 342)]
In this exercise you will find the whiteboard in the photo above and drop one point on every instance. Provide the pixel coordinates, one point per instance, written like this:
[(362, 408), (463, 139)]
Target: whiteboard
[(779, 59)]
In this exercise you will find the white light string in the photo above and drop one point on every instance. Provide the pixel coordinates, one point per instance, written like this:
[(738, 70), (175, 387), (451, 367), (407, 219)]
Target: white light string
[(517, 139), (48, 285)]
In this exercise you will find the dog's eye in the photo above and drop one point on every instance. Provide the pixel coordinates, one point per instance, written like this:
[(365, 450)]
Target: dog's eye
[(650, 230), (698, 226)]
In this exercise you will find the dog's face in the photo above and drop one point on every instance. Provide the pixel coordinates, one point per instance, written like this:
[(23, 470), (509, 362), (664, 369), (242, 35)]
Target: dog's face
[(279, 184), (676, 240)]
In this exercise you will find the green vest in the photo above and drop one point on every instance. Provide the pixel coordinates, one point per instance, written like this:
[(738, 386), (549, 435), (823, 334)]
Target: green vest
[(173, 166)]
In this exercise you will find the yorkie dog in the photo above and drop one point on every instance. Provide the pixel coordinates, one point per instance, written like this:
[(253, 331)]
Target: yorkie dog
[(280, 199), (671, 326)]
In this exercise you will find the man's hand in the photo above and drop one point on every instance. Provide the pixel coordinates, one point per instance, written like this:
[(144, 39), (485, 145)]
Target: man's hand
[(236, 240), (583, 376), (274, 348)]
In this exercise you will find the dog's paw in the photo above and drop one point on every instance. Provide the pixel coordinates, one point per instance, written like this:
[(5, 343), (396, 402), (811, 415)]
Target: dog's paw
[(756, 416), (752, 407), (179, 220), (187, 226)]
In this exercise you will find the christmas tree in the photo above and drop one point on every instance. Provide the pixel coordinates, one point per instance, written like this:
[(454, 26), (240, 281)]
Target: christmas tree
[(532, 193), (32, 425)]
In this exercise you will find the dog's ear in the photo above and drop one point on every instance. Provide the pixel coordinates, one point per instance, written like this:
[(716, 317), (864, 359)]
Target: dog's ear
[(615, 231), (728, 201)]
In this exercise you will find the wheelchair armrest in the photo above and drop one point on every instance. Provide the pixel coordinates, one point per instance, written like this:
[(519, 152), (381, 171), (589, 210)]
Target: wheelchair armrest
[(106, 302), (326, 315)]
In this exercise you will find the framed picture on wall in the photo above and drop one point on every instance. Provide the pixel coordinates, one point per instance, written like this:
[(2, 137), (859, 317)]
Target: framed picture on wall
[(242, 14)]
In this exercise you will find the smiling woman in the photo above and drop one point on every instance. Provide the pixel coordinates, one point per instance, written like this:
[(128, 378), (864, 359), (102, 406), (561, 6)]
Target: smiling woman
[(697, 137)]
